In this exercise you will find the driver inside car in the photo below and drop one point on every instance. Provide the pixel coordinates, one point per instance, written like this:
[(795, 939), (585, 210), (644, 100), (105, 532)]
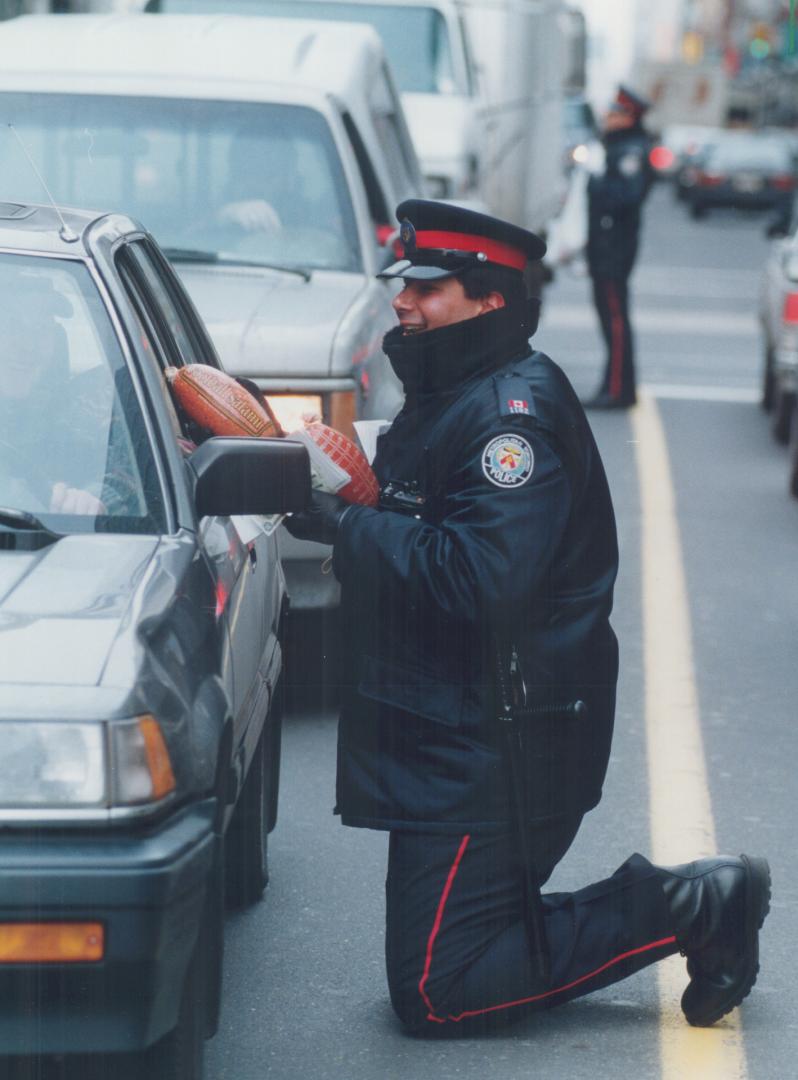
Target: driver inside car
[(36, 430)]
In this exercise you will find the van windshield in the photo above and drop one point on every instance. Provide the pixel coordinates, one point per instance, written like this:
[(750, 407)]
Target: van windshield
[(254, 182), (415, 38)]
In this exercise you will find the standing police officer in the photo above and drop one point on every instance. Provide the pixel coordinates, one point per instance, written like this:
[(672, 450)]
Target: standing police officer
[(615, 197), (476, 600)]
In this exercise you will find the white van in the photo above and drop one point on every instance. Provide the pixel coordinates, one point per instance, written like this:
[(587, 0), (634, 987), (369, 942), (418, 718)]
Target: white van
[(265, 156), (482, 86)]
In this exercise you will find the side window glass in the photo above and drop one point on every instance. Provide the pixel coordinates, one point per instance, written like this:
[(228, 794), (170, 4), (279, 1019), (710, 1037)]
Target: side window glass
[(376, 199), (387, 126), (174, 318)]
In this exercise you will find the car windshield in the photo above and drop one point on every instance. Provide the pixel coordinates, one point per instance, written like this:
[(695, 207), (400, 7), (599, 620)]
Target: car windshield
[(747, 153), (253, 182), (74, 448), (415, 38)]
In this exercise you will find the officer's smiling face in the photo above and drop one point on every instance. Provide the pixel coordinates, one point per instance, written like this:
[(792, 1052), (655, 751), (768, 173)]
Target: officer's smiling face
[(427, 305)]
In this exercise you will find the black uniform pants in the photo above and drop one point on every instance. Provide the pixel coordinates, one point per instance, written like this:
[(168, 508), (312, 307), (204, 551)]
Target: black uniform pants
[(456, 947), (611, 297)]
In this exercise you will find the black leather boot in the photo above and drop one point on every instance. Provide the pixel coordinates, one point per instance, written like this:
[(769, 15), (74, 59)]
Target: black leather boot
[(717, 908)]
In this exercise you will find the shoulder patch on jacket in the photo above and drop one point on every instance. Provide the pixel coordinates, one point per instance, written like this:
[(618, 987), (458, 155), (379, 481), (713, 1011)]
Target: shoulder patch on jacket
[(514, 396), (508, 460)]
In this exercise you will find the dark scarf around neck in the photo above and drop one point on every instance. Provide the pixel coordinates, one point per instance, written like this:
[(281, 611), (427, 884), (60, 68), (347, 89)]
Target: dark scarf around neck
[(443, 359)]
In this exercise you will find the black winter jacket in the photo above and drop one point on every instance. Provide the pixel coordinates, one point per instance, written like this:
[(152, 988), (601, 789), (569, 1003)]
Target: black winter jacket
[(615, 198), (514, 541)]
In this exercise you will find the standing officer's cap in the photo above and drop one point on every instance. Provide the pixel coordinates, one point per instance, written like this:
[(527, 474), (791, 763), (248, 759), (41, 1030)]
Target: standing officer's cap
[(628, 102), (441, 239)]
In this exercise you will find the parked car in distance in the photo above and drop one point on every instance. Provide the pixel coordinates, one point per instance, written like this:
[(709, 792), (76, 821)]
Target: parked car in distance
[(745, 170), (141, 623), (267, 156), (778, 313)]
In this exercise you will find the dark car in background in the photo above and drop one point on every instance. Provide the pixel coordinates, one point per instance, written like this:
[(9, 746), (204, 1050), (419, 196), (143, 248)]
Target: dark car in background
[(141, 607), (744, 170)]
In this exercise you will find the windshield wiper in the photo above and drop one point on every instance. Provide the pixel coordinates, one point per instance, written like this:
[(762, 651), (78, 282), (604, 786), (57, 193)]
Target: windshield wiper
[(195, 255), (21, 519)]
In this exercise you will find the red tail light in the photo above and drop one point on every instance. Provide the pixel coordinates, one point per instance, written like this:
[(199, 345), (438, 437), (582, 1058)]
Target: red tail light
[(661, 157), (384, 233), (790, 311), (707, 179), (784, 182)]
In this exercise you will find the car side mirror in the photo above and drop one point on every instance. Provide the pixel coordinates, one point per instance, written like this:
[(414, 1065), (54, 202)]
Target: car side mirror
[(238, 475)]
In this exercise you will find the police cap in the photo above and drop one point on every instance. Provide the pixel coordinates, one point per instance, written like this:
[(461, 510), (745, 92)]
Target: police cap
[(627, 101), (441, 239)]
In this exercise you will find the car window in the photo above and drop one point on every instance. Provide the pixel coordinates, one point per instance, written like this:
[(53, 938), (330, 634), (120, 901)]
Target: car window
[(75, 449), (735, 153), (217, 180), (416, 38), (165, 303), (385, 117)]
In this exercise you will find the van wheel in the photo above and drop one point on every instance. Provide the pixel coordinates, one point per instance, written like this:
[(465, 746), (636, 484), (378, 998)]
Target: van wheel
[(697, 211), (246, 842)]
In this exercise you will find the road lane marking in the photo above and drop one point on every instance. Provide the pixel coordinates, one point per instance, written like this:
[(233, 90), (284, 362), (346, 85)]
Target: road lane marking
[(660, 320), (682, 826)]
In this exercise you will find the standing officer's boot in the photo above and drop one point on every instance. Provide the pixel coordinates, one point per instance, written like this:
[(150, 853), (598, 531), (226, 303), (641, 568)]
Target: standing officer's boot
[(717, 908)]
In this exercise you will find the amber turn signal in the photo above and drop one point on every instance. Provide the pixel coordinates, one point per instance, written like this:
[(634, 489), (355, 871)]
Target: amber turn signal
[(51, 943)]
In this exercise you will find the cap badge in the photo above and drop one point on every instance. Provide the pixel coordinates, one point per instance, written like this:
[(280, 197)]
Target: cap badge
[(407, 234)]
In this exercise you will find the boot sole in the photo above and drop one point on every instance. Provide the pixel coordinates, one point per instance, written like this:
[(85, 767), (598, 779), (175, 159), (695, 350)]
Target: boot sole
[(757, 906)]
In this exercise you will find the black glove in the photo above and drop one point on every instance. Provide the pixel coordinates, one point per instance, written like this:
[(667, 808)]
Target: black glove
[(322, 519)]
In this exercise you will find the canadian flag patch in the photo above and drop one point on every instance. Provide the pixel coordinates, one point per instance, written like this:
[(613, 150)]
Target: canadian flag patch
[(515, 405)]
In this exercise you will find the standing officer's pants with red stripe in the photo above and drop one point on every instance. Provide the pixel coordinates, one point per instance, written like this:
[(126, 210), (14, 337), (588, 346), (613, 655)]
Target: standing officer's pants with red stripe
[(456, 948), (611, 297)]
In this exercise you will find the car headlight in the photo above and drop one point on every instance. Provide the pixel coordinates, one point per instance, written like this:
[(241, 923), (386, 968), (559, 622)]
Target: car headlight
[(52, 765), (47, 765)]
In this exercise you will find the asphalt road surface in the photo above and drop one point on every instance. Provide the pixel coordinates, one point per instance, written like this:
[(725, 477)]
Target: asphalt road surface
[(704, 754)]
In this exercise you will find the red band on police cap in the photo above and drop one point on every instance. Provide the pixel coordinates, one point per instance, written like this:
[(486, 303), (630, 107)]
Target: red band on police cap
[(496, 252)]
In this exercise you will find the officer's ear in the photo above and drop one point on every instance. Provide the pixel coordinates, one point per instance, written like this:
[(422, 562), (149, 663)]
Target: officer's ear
[(491, 302)]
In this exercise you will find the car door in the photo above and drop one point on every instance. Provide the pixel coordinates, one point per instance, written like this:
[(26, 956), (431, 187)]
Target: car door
[(240, 555)]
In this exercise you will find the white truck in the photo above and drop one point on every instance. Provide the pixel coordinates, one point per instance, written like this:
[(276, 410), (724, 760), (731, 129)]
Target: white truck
[(683, 93), (481, 84)]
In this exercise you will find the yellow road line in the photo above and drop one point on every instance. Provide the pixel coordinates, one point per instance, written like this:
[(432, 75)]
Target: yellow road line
[(682, 827)]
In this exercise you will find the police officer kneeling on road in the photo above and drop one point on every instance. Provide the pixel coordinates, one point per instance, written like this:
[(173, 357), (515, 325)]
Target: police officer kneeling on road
[(477, 729)]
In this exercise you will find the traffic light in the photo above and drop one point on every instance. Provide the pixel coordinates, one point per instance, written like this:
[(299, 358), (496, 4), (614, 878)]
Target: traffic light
[(760, 44)]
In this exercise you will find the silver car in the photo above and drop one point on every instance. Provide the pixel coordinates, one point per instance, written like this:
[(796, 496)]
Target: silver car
[(140, 656)]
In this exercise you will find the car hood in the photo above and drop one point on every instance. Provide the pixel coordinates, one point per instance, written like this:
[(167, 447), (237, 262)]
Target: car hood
[(267, 323), (62, 607)]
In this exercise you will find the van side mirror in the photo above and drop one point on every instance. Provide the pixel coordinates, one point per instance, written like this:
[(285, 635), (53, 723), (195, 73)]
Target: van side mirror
[(236, 475)]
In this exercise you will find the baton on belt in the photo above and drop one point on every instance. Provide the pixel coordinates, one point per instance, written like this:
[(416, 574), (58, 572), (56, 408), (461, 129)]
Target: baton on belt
[(513, 710)]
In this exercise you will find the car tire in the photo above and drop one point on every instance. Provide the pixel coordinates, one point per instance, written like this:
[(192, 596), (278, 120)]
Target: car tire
[(697, 211), (794, 453), (768, 382), (247, 839), (783, 404)]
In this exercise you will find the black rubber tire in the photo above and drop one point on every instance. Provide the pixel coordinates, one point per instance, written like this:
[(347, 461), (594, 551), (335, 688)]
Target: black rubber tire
[(697, 212), (794, 453), (768, 382), (783, 405), (247, 838)]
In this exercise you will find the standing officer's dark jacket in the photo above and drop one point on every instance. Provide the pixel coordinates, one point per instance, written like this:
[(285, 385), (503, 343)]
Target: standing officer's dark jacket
[(425, 597), (615, 197)]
